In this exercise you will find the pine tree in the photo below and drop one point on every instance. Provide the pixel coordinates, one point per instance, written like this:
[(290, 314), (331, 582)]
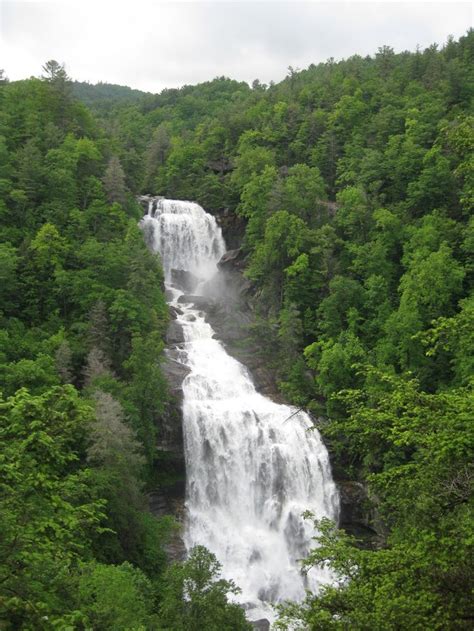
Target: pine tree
[(55, 72), (156, 155), (114, 181)]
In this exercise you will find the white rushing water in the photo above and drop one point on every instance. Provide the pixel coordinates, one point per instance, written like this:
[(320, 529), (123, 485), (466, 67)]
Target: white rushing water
[(251, 471)]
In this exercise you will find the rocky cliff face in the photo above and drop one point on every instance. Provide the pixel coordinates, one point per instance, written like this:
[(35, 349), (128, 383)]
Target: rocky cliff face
[(167, 498), (233, 227)]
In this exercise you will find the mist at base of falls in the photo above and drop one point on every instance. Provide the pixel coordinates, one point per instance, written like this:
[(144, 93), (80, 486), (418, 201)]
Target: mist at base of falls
[(251, 470)]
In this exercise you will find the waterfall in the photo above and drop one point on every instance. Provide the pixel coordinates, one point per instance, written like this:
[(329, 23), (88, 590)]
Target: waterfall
[(251, 470)]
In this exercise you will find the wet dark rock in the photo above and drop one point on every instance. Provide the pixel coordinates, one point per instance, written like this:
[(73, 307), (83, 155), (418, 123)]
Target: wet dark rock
[(169, 447), (352, 495), (359, 515), (157, 504), (175, 312), (231, 315), (176, 353), (174, 334), (232, 259), (170, 443), (171, 426), (169, 500), (199, 302), (175, 374), (144, 200), (233, 227), (261, 625), (184, 280)]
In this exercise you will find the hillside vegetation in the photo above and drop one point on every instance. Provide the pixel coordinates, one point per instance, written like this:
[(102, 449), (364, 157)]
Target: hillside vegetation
[(356, 182), (104, 96), (82, 393)]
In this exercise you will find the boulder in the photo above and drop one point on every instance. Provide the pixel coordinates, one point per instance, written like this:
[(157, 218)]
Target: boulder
[(175, 312), (232, 259), (261, 625), (184, 280), (174, 334), (199, 302), (175, 373)]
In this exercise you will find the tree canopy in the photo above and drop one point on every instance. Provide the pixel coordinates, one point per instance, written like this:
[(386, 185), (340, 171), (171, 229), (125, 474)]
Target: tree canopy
[(355, 182)]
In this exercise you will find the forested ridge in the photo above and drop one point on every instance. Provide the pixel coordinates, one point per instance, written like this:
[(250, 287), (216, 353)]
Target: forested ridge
[(82, 322), (356, 183), (104, 96)]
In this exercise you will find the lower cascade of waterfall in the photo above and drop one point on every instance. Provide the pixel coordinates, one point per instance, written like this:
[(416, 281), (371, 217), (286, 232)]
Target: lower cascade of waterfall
[(251, 470)]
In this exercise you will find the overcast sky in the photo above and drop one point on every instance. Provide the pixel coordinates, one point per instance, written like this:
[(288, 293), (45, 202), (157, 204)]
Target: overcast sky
[(151, 44)]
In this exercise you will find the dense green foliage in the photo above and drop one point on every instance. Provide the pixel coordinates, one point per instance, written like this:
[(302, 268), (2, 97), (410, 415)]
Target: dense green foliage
[(355, 179), (195, 598), (105, 96), (418, 447), (356, 183), (82, 318)]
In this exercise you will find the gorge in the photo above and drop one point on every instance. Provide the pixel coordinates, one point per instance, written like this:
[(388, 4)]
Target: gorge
[(253, 466), (331, 271)]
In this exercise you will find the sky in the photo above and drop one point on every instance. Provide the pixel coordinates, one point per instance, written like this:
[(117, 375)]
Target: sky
[(151, 45)]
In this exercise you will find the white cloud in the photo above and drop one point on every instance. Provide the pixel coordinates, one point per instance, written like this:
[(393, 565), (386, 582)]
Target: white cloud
[(152, 45)]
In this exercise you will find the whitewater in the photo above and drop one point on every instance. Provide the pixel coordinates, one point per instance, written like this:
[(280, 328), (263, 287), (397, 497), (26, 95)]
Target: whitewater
[(253, 466)]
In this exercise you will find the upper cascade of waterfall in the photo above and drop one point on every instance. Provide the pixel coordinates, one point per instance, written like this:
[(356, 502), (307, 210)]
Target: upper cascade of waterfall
[(186, 237)]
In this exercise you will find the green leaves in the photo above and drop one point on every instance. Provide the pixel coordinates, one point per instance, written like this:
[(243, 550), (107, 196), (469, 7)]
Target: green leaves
[(63, 500), (115, 597), (48, 247), (286, 237), (195, 598), (415, 450), (47, 509), (355, 180)]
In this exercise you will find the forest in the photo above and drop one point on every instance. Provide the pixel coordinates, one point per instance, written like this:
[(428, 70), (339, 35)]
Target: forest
[(355, 181)]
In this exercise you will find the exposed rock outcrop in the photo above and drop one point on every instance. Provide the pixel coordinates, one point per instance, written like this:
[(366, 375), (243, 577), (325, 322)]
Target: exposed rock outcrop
[(232, 260), (170, 501), (174, 311), (184, 280), (228, 306), (174, 334), (199, 302), (175, 373), (233, 227), (359, 515), (168, 497)]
